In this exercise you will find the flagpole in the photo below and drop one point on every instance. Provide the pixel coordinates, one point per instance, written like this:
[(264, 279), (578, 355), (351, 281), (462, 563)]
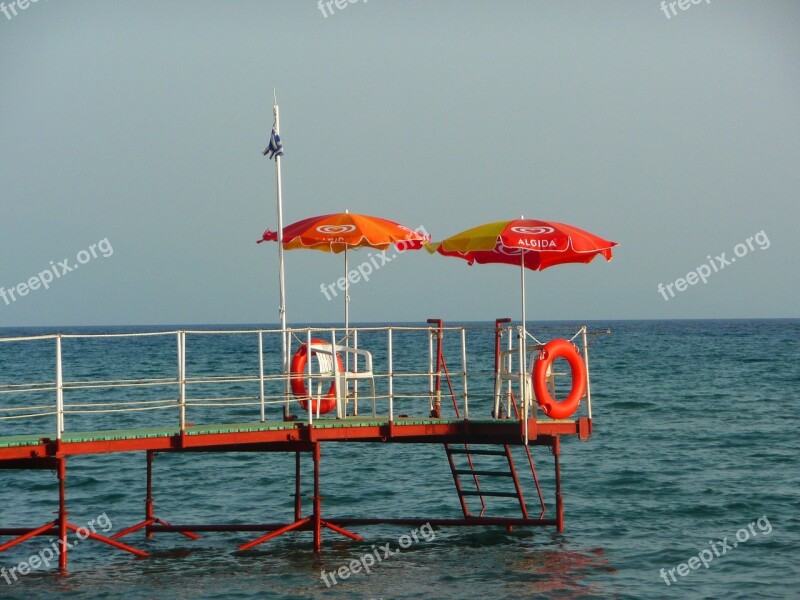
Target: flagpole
[(281, 275)]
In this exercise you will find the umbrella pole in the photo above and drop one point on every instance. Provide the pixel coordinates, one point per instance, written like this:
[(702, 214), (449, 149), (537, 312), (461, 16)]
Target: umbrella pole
[(346, 312), (346, 296), (523, 360), (281, 276)]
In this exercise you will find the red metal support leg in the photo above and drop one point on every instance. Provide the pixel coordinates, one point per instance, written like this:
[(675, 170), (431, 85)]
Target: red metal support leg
[(559, 497), (317, 515), (298, 501), (315, 521), (62, 514), (149, 516), (148, 501)]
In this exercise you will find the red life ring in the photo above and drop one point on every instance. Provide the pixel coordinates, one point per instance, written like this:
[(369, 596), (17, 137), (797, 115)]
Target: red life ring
[(559, 348), (298, 381)]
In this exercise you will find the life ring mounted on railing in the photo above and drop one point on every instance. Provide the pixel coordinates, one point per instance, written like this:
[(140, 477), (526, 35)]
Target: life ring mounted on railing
[(298, 380), (559, 348)]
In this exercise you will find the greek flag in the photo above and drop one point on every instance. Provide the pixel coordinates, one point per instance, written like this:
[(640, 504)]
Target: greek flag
[(275, 147)]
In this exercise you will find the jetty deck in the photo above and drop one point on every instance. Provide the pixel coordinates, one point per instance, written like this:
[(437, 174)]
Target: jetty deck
[(199, 408)]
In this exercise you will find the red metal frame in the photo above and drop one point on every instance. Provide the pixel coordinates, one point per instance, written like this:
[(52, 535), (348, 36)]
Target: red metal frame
[(315, 521), (61, 524), (149, 516)]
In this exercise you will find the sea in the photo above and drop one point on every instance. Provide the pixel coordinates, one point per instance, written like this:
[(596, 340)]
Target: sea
[(689, 486)]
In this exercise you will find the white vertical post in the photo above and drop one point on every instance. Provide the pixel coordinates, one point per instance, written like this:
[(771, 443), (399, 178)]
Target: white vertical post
[(431, 399), (59, 390), (182, 378), (391, 379), (309, 388), (346, 303), (586, 363), (336, 389), (522, 281), (261, 372), (355, 370), (510, 363), (464, 365), (523, 366), (522, 382), (281, 270)]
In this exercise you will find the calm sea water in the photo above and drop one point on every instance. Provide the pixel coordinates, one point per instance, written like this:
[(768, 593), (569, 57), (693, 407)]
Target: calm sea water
[(695, 439)]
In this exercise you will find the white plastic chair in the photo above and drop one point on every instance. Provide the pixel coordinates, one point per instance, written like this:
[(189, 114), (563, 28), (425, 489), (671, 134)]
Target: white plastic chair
[(329, 370), (506, 373)]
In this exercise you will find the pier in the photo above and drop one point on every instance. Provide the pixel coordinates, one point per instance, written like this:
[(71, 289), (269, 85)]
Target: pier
[(225, 391)]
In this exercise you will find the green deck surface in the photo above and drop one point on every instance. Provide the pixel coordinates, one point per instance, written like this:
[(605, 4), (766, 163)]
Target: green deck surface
[(133, 434)]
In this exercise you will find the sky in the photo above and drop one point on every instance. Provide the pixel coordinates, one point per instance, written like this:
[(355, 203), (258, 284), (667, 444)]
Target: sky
[(132, 132)]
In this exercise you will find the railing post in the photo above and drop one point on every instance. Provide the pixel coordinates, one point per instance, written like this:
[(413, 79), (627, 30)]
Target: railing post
[(430, 370), (464, 365), (586, 364), (336, 389), (391, 379), (310, 403), (355, 381), (287, 391), (261, 371), (59, 390), (522, 387), (182, 378)]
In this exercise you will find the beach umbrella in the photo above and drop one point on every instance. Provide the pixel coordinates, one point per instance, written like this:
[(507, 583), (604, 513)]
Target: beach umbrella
[(340, 232), (529, 244)]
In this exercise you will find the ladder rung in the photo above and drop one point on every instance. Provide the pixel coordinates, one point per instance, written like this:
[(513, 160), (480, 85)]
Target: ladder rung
[(483, 473), (498, 494), (476, 452)]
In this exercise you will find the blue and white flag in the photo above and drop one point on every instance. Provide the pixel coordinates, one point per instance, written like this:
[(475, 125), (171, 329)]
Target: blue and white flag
[(275, 147)]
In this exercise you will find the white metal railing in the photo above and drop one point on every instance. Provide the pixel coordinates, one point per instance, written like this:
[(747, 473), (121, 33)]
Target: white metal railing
[(211, 384), (525, 354)]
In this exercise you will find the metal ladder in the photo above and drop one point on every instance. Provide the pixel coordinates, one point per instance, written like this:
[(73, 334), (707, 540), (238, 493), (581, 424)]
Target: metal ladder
[(475, 474)]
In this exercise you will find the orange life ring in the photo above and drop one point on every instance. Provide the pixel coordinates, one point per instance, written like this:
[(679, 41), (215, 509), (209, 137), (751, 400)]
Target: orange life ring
[(327, 402), (559, 348)]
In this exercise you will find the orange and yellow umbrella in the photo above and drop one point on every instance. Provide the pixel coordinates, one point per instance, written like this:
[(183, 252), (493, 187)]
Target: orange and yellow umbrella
[(340, 232), (527, 243), (531, 243)]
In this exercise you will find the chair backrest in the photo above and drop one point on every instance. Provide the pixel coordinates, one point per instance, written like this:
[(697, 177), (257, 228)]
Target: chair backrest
[(324, 361)]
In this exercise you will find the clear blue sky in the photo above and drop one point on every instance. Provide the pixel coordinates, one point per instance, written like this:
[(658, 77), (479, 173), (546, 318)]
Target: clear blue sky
[(143, 123)]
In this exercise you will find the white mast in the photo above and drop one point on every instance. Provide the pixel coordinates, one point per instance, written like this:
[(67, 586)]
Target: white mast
[(281, 277)]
